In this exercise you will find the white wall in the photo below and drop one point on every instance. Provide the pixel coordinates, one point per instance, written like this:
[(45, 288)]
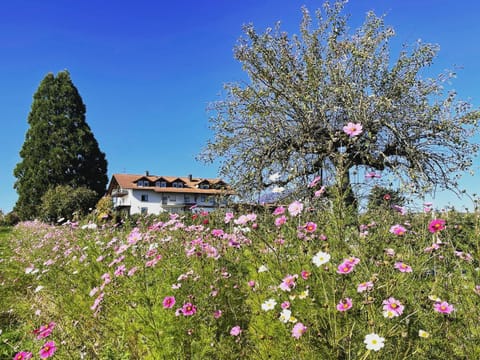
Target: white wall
[(155, 204)]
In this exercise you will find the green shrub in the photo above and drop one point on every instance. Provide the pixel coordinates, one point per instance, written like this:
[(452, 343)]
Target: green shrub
[(66, 202)]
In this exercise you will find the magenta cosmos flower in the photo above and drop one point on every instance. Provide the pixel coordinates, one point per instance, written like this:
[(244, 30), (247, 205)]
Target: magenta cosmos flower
[(47, 350), (345, 268), (352, 129), (189, 309), (392, 307), (44, 330), (398, 230), (352, 260), (345, 304), (235, 331), (168, 302), (436, 225), (298, 330), (279, 221), (402, 267), (23, 355), (310, 227), (443, 307)]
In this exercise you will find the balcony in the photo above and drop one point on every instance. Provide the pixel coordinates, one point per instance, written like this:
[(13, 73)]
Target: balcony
[(119, 193)]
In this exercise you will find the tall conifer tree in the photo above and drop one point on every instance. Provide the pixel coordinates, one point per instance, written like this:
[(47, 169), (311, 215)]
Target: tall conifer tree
[(59, 147)]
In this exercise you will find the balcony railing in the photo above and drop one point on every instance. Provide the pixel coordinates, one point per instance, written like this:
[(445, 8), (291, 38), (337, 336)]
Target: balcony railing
[(119, 193)]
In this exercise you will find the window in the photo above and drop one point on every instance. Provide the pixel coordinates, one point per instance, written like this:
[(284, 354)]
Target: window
[(161, 184), (204, 186), (172, 198), (164, 199), (187, 199), (177, 185), (143, 183), (144, 210), (144, 197), (203, 198)]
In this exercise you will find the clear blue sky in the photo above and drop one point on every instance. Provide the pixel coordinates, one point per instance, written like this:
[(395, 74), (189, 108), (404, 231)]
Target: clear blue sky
[(147, 69)]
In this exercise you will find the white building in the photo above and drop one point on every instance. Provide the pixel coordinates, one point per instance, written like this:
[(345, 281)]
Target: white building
[(152, 194)]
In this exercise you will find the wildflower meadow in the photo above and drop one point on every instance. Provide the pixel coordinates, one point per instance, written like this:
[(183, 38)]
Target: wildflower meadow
[(302, 280)]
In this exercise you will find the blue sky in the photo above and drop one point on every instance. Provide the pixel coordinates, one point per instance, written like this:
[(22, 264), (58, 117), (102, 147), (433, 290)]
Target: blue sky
[(147, 69)]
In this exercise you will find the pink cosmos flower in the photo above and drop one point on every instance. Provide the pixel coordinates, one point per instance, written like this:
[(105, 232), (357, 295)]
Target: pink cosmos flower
[(47, 350), (279, 210), (188, 309), (120, 270), (217, 314), (365, 286), (228, 217), (402, 267), (436, 225), (315, 181), (298, 330), (352, 260), (310, 227), (295, 208), (320, 191), (132, 271), (393, 307), (352, 129), (279, 221), (23, 355), (398, 230), (345, 304), (44, 331), (443, 307), (285, 305), (168, 302), (235, 331), (345, 268), (97, 301), (288, 282), (305, 274)]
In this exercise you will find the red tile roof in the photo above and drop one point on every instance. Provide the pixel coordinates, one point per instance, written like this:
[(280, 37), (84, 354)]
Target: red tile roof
[(129, 181)]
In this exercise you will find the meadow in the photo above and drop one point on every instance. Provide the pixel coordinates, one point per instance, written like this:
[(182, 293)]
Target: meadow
[(298, 281)]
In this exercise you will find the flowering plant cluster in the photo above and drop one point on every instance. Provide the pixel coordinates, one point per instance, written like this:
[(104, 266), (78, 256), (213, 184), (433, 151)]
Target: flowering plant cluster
[(289, 282)]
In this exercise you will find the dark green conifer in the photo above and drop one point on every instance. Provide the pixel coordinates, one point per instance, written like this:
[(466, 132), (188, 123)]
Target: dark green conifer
[(59, 147)]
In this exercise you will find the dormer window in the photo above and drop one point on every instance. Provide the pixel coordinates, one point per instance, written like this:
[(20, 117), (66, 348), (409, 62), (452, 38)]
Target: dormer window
[(204, 186), (161, 184), (177, 184), (143, 183)]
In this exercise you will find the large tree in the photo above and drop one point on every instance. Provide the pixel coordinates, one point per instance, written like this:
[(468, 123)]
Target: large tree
[(59, 147), (289, 117)]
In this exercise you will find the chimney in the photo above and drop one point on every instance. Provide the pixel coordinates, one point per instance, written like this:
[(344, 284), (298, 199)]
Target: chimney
[(189, 177), (147, 173)]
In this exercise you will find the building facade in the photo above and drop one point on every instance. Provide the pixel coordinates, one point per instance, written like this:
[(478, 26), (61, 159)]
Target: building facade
[(153, 194)]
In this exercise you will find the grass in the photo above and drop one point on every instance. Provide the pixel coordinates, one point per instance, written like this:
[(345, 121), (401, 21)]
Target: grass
[(244, 287)]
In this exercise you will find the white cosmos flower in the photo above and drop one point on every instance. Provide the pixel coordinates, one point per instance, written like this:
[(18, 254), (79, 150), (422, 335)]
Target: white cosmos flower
[(269, 305), (285, 315), (374, 342), (262, 268), (321, 258)]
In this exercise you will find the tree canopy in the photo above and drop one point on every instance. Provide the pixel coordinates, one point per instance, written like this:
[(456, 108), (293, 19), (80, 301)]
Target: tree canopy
[(59, 147), (329, 100)]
